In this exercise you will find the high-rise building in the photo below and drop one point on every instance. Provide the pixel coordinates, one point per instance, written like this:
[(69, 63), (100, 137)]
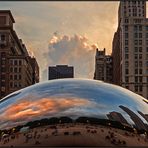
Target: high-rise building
[(35, 68), (60, 71), (103, 66), (16, 70), (130, 47)]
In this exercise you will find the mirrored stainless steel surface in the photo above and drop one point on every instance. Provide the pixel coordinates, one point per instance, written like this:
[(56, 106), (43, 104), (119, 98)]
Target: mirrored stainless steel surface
[(72, 102)]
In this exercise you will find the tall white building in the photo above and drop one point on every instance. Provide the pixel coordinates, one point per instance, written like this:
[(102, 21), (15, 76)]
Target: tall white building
[(132, 45)]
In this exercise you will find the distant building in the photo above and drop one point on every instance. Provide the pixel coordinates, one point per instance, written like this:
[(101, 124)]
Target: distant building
[(60, 71), (16, 68), (130, 47), (103, 66), (35, 67)]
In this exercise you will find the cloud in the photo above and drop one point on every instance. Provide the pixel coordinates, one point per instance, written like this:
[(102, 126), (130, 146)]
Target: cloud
[(71, 50), (36, 21), (22, 112)]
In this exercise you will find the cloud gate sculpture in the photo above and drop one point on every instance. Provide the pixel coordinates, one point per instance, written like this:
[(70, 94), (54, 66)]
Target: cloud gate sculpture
[(73, 112)]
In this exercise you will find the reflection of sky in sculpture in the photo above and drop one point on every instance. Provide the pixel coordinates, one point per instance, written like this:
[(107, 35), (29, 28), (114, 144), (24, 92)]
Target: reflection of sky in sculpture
[(69, 97)]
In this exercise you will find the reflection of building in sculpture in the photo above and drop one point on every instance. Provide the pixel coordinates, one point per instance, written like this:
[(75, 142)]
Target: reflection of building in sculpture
[(103, 66), (138, 122), (145, 116), (117, 117), (16, 72), (60, 71)]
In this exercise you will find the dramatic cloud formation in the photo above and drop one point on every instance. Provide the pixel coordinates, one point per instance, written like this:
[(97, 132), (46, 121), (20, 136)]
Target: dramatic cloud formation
[(36, 22), (71, 50)]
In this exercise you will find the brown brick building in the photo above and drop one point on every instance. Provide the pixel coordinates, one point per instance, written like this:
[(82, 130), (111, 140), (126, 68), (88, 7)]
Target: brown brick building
[(103, 66), (130, 47), (17, 68)]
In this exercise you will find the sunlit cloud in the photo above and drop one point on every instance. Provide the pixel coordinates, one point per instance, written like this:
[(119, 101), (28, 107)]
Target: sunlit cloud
[(37, 21), (72, 50), (21, 112)]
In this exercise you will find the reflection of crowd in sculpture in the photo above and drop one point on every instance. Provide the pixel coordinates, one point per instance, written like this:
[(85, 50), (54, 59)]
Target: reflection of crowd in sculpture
[(39, 135)]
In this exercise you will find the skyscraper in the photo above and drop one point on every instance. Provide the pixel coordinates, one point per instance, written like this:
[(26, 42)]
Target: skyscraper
[(16, 70), (130, 47), (103, 66), (60, 71)]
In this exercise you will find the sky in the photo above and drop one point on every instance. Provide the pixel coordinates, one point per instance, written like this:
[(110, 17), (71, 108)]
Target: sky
[(65, 32)]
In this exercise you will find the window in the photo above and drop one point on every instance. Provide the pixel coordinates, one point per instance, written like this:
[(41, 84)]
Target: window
[(126, 79), (15, 62), (11, 69), (136, 64), (140, 28), (15, 84), (146, 28), (3, 37), (126, 71), (126, 49), (11, 77), (126, 42), (136, 35), (140, 56), (3, 69), (11, 84), (140, 71), (140, 35), (3, 62), (20, 62), (140, 63), (136, 56), (136, 71), (140, 88), (140, 79), (20, 77), (136, 42), (15, 69), (126, 35), (140, 49), (126, 56), (136, 79), (15, 77), (126, 21), (135, 28), (136, 49), (19, 69), (126, 28), (136, 88), (140, 42), (11, 62), (3, 77), (126, 64), (20, 85)]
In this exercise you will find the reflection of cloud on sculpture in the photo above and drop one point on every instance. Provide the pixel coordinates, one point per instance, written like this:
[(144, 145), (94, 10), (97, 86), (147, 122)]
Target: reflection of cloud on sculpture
[(46, 106)]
